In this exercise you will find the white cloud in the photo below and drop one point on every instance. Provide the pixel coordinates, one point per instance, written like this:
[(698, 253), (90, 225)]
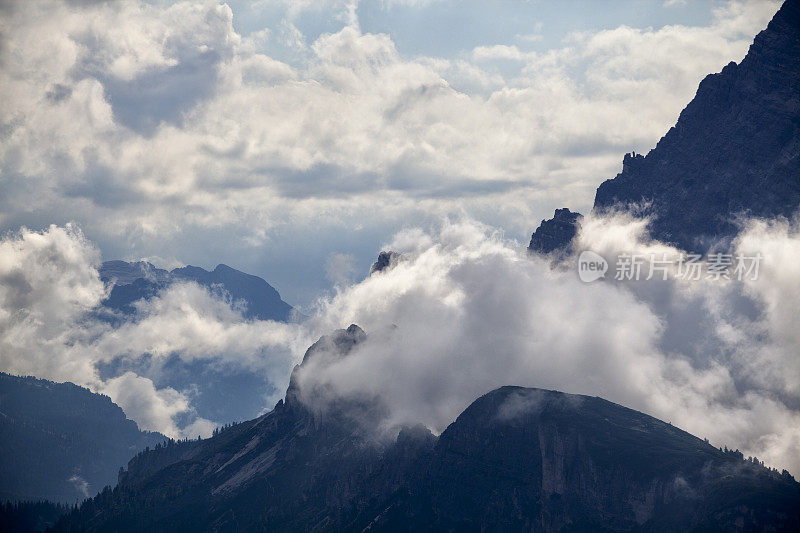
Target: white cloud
[(153, 408), (498, 51), (49, 285), (155, 124), (48, 281), (469, 312), (149, 122)]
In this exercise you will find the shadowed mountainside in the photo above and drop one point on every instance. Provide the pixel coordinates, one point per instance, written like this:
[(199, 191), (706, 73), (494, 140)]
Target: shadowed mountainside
[(734, 151), (557, 233), (134, 281), (516, 459), (61, 442)]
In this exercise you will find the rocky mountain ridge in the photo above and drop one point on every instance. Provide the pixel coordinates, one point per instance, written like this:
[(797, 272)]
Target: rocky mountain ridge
[(141, 280), (734, 152), (516, 459)]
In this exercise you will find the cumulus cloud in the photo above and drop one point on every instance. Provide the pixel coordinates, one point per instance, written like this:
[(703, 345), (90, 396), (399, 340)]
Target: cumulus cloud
[(164, 132), (49, 288), (48, 281), (153, 408), (196, 323), (151, 123), (468, 312)]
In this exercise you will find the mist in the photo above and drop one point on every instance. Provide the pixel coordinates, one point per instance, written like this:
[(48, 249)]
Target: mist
[(465, 311)]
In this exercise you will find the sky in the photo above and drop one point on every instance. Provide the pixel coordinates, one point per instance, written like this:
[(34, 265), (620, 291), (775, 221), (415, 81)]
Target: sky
[(295, 140), (291, 140)]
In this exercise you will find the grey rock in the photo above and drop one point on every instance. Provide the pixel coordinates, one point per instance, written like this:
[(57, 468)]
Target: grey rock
[(386, 260), (734, 152), (556, 234)]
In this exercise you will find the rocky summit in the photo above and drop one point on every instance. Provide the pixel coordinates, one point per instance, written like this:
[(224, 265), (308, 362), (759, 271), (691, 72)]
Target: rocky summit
[(517, 459), (734, 152), (386, 260), (557, 233)]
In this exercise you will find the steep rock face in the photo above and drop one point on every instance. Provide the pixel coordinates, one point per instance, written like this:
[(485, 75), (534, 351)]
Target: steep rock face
[(385, 261), (61, 442), (516, 459), (293, 469), (735, 149), (556, 234), (141, 280)]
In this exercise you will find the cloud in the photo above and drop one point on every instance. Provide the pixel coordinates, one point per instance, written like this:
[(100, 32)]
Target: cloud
[(49, 288), (341, 268), (468, 312), (48, 282), (498, 51), (153, 408), (190, 320), (165, 133), (150, 124), (80, 484)]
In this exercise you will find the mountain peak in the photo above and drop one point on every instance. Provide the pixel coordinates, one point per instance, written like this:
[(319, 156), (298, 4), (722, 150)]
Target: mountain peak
[(734, 150), (557, 233), (328, 348), (134, 281), (386, 260), (222, 267), (516, 459)]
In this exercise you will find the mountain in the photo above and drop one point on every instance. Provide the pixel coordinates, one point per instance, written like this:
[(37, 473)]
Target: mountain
[(386, 260), (556, 233), (30, 516), (734, 151), (219, 392), (134, 281), (61, 442), (516, 459)]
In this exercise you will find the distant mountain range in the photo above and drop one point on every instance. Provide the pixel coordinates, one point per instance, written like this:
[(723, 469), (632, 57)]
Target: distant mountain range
[(516, 459), (735, 150), (220, 392), (141, 280), (62, 442)]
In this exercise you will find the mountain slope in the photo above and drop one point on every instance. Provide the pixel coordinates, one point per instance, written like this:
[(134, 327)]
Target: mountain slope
[(735, 149), (531, 459), (134, 281), (516, 459), (60, 441)]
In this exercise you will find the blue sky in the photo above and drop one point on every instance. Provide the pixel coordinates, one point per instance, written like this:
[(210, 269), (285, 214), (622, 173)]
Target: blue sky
[(450, 28)]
